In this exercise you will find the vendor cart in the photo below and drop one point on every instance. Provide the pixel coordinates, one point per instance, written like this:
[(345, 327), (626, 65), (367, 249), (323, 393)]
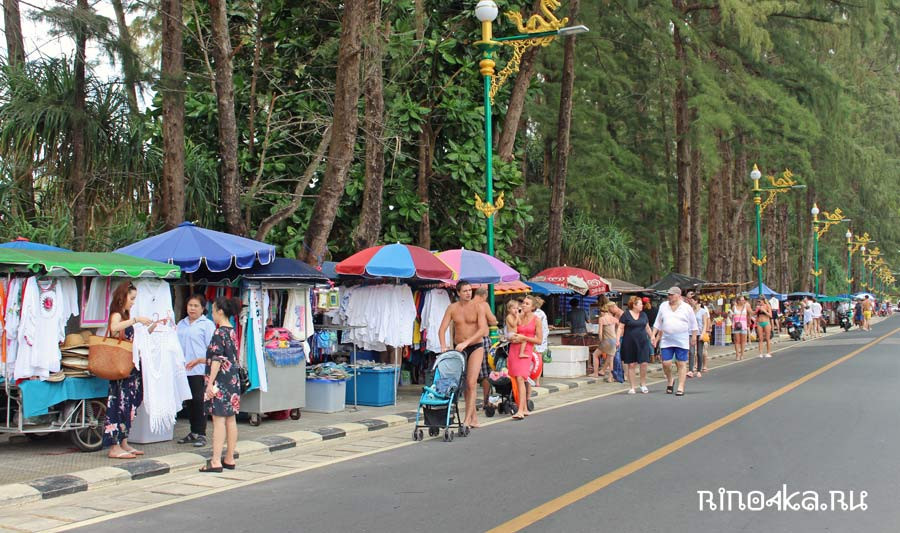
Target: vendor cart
[(75, 405)]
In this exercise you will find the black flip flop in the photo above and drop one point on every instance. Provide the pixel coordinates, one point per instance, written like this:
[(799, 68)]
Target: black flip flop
[(208, 468), (227, 466), (670, 389)]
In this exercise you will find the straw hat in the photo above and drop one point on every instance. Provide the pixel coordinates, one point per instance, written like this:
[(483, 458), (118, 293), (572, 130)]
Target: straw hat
[(73, 373), (74, 340), (56, 377), (76, 363), (75, 352)]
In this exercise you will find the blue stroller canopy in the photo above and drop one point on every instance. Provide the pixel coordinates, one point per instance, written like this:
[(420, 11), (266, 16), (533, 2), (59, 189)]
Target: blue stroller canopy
[(448, 372)]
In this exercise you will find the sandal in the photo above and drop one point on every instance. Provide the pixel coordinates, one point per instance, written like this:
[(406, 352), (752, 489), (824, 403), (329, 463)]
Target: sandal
[(227, 466), (679, 393), (123, 455), (209, 468), (518, 417), (669, 389)]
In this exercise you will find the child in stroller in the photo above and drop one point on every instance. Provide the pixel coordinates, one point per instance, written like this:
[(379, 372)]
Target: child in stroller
[(501, 400), (439, 403)]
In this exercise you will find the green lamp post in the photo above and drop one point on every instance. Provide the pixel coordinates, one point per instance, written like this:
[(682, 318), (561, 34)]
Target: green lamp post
[(849, 236), (820, 228), (780, 185), (540, 30)]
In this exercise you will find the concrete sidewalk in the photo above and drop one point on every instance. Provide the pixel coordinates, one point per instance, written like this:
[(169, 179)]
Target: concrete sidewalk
[(33, 470)]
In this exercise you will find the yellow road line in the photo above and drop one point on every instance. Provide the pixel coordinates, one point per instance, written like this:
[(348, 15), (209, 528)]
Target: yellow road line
[(539, 513)]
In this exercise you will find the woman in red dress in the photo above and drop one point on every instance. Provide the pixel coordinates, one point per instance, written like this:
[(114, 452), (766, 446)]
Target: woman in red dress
[(528, 335)]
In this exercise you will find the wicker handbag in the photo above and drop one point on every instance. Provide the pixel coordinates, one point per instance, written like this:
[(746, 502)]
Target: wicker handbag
[(110, 358)]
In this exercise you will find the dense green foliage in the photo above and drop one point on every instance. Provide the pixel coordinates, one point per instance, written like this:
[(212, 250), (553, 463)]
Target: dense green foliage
[(811, 86)]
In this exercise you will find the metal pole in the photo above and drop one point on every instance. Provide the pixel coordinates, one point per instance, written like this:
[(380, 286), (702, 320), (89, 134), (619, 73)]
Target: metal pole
[(816, 254), (758, 200), (849, 270), (486, 68)]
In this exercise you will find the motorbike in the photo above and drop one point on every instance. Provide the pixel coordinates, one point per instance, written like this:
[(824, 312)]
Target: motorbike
[(794, 326), (846, 323)]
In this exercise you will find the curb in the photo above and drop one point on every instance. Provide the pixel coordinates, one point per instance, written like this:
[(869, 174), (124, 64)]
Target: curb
[(104, 476)]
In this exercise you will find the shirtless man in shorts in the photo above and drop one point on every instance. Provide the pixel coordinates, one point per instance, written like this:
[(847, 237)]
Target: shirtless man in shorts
[(867, 313), (469, 329)]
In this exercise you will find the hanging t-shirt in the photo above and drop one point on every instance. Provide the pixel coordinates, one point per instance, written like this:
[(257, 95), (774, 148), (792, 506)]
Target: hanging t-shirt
[(47, 305)]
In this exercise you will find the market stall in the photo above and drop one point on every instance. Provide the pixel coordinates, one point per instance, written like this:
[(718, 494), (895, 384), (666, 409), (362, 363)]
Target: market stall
[(46, 385)]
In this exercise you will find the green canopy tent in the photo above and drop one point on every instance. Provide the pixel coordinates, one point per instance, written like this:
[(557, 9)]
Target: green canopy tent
[(84, 264)]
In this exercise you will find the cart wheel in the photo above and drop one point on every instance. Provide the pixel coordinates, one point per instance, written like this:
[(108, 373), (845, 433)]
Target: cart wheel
[(415, 435), (90, 437), (530, 405), (433, 432), (446, 435), (37, 437), (513, 408), (295, 414), (468, 430), (421, 435), (255, 419), (502, 408), (489, 410), (451, 436)]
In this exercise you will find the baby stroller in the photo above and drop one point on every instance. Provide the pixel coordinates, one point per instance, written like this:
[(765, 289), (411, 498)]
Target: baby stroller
[(501, 397), (439, 403)]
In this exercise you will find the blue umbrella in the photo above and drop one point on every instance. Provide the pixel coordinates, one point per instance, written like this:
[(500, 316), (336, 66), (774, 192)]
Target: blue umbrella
[(191, 247), (22, 243)]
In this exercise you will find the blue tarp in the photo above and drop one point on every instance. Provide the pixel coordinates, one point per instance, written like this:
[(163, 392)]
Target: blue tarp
[(191, 247), (25, 244), (766, 291), (38, 396), (545, 289)]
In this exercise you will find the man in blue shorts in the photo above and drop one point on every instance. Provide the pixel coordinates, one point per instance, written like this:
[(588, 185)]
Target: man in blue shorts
[(675, 330)]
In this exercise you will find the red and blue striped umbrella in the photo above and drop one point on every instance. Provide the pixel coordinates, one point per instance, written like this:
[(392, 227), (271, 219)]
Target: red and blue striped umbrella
[(395, 261)]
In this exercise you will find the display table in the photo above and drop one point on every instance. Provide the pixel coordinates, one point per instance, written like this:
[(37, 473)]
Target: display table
[(567, 362), (287, 390), (39, 396)]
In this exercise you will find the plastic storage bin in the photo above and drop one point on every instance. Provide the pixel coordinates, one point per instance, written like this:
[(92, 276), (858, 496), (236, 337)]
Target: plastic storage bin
[(564, 370), (569, 354), (374, 388), (325, 395)]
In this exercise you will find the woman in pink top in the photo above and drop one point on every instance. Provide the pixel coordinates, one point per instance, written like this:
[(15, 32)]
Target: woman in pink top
[(740, 326), (528, 334)]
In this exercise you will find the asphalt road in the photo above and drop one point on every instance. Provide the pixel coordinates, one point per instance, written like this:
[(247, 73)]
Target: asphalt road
[(836, 432)]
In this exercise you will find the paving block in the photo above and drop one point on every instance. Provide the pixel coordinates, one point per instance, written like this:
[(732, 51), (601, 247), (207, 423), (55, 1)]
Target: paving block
[(103, 476), (165, 492), (145, 468), (252, 447), (66, 513), (209, 481), (54, 486), (329, 433), (351, 428), (276, 443), (303, 437), (18, 493), (393, 420), (35, 523), (373, 424), (178, 461)]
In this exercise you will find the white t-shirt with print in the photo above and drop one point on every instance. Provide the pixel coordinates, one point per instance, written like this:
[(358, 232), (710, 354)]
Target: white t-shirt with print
[(676, 325)]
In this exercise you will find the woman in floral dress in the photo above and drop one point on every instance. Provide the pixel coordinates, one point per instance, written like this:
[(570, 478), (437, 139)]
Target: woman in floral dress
[(223, 388)]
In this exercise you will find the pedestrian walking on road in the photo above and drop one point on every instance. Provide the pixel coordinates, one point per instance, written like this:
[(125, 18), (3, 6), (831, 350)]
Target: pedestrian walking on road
[(764, 327), (127, 394), (223, 384), (634, 330), (605, 354), (528, 334), (676, 331), (697, 364), (481, 298), (867, 313), (807, 319), (815, 309), (740, 326), (195, 331), (541, 349), (470, 328)]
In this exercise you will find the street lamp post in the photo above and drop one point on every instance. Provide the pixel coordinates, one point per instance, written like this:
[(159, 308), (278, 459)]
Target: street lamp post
[(820, 228), (783, 184), (849, 236), (541, 30)]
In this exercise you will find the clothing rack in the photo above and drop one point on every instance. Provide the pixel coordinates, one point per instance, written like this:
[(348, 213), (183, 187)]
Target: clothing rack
[(352, 358)]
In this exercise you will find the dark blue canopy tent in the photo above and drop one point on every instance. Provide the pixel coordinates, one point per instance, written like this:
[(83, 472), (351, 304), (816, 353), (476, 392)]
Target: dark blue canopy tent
[(766, 292), (22, 243)]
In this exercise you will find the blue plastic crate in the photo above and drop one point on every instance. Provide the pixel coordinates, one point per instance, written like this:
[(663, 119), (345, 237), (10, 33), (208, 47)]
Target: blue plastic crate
[(374, 388)]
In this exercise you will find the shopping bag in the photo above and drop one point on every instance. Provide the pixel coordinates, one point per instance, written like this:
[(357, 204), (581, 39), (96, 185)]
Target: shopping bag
[(618, 370), (110, 358)]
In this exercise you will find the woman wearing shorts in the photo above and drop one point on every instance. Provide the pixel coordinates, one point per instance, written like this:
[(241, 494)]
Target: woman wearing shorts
[(740, 326)]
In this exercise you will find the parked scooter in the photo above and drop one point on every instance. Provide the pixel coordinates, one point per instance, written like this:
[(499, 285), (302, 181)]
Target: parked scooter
[(794, 325), (846, 322)]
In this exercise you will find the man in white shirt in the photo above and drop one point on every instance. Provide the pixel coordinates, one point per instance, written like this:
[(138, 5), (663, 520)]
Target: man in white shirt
[(776, 313), (676, 332), (816, 310)]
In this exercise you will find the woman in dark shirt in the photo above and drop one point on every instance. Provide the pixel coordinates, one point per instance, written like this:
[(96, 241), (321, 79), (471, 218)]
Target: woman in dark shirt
[(634, 330)]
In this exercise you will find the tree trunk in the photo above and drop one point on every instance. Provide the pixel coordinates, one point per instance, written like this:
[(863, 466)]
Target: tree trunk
[(343, 140), (806, 224), (228, 141), (784, 256), (696, 206), (129, 63), (714, 217), (682, 153), (369, 228), (78, 180), (282, 214), (506, 144), (563, 133), (172, 85), (423, 177), (15, 54)]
